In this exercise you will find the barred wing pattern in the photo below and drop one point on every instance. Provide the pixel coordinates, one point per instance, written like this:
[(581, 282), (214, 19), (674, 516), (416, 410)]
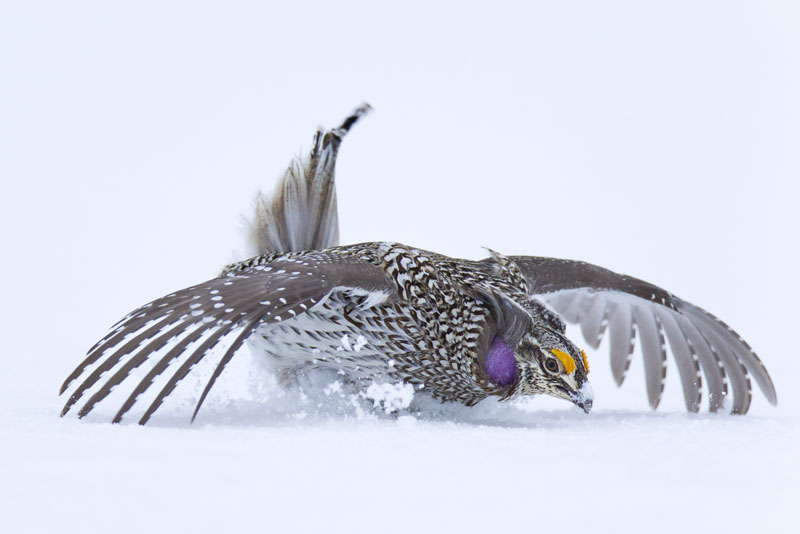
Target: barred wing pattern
[(266, 291), (597, 298)]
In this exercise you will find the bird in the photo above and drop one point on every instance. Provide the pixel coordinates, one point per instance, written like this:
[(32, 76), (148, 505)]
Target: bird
[(456, 330)]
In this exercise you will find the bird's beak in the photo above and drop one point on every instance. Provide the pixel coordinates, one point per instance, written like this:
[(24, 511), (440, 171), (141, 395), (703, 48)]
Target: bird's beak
[(584, 398)]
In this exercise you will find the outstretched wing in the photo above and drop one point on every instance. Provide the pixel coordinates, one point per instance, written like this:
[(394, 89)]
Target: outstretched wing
[(597, 299), (273, 290)]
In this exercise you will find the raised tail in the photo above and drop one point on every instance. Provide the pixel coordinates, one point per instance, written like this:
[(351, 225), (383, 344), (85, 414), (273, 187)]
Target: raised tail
[(301, 212)]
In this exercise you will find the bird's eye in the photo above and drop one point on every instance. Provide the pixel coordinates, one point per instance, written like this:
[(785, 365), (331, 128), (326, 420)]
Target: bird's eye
[(551, 365)]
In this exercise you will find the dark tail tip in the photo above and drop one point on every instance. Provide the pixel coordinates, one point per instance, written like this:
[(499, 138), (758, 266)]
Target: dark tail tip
[(334, 137), (359, 112)]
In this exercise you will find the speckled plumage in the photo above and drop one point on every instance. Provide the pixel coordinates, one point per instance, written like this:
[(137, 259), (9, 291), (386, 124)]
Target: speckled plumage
[(387, 311)]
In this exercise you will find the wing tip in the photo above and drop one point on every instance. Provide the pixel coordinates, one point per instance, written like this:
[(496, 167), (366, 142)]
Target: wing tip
[(770, 393), (768, 388), (68, 405)]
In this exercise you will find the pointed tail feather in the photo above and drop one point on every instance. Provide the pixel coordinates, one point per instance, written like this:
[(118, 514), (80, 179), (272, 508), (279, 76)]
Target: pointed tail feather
[(301, 213)]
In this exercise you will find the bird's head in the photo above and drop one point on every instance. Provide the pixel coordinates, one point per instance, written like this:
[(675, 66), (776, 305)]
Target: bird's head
[(528, 354), (553, 365), (542, 361)]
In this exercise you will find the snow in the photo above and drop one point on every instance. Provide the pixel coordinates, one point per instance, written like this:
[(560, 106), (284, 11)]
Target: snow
[(322, 460), (238, 469), (586, 392), (655, 140), (390, 398)]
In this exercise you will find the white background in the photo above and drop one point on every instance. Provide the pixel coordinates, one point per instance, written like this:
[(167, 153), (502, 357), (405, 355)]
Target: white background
[(656, 139)]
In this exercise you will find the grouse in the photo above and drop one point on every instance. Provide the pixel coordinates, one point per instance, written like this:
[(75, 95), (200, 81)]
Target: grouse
[(457, 330)]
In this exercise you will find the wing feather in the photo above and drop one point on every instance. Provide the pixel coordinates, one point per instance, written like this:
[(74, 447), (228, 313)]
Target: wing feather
[(170, 305), (686, 362), (740, 348), (189, 308), (574, 307), (734, 371), (593, 323), (237, 343), (622, 338), (193, 359), (653, 353), (121, 374), (709, 363), (161, 365)]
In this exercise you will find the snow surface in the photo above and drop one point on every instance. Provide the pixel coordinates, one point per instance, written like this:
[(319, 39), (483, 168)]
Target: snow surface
[(656, 140)]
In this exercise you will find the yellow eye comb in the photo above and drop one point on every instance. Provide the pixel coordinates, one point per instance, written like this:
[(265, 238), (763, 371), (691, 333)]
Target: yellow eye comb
[(566, 359)]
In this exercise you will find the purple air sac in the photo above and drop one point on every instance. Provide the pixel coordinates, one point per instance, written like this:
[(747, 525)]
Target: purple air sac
[(500, 363)]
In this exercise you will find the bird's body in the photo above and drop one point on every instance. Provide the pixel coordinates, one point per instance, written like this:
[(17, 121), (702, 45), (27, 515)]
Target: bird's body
[(458, 330), (427, 327)]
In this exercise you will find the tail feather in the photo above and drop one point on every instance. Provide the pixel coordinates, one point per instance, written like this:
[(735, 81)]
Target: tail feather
[(301, 213)]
